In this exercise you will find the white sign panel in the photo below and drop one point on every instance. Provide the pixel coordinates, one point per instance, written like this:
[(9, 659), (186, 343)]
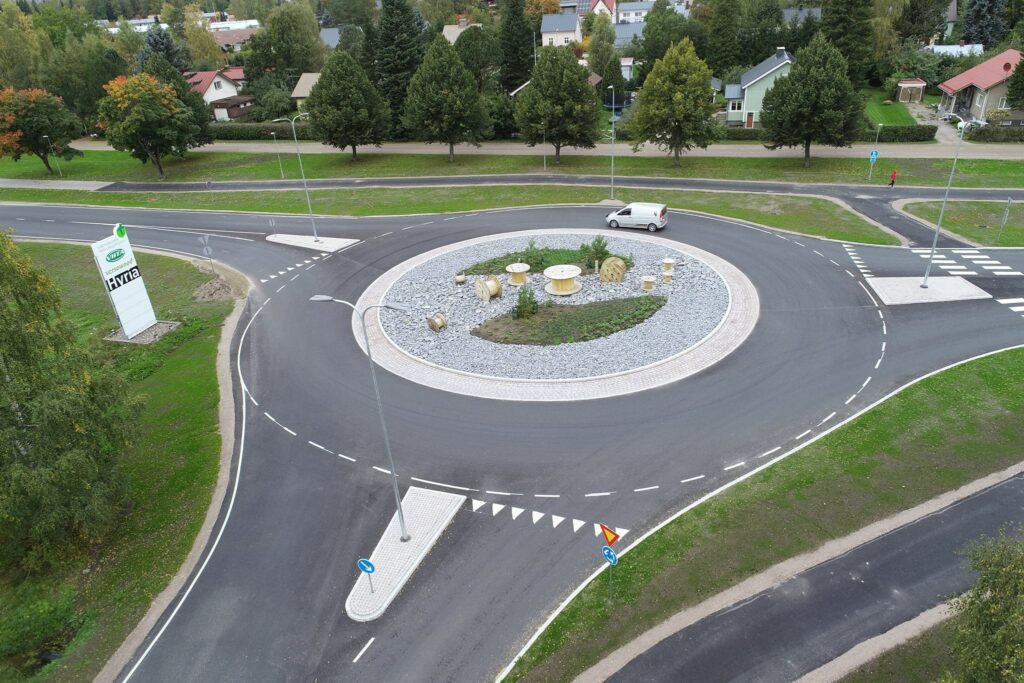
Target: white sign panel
[(121, 277)]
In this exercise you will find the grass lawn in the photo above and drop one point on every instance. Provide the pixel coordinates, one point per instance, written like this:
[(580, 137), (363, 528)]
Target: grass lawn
[(555, 324), (892, 114), (933, 437), (202, 166), (171, 470), (806, 215), (921, 660), (977, 221)]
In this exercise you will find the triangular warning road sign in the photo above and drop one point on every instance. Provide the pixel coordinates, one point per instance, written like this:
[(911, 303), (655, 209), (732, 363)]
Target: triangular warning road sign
[(609, 535)]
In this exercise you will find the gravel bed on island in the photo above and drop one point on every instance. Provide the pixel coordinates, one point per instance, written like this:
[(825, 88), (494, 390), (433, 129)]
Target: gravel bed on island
[(698, 300)]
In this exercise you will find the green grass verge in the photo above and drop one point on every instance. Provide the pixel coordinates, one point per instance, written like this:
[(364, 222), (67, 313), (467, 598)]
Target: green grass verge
[(539, 258), (806, 215), (977, 221), (171, 470), (202, 166), (921, 660), (935, 436), (892, 114), (555, 324)]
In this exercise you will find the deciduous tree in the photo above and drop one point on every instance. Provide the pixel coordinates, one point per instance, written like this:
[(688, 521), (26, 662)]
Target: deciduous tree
[(559, 105), (24, 51), (815, 103), (399, 51), (129, 45), (162, 70), (66, 422), (352, 12), (27, 117), (60, 23), (480, 53), (663, 28), (848, 26), (345, 110), (290, 44), (517, 45), (444, 104), (602, 57), (203, 50), (535, 9), (922, 19), (1015, 95), (761, 30), (145, 118), (252, 9), (78, 72), (676, 108)]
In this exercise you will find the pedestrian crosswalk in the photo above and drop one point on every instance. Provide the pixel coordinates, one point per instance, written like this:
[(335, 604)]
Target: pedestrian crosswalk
[(1016, 305), (857, 261), (967, 262)]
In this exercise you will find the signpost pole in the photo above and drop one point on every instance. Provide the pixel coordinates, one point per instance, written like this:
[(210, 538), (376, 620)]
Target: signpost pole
[(1006, 217)]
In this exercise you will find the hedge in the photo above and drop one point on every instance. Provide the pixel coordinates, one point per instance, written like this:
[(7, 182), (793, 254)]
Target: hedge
[(997, 134), (751, 134), (918, 133), (259, 131)]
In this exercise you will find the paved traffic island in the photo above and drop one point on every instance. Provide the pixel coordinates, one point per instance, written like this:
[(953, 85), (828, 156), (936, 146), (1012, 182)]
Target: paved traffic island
[(710, 308)]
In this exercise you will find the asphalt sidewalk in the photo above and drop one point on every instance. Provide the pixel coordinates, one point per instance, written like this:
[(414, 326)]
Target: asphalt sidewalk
[(938, 150)]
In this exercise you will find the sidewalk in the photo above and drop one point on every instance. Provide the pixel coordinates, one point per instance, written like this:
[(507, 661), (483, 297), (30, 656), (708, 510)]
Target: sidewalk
[(940, 150)]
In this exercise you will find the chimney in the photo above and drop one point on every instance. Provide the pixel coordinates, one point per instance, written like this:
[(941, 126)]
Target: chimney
[(780, 53), (961, 43), (463, 21)]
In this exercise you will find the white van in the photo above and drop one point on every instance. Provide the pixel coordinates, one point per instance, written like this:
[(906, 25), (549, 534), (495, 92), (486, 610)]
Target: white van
[(639, 215)]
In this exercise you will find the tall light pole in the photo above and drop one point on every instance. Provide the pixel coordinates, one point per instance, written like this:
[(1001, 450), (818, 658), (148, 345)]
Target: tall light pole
[(871, 166), (612, 88), (298, 153), (54, 155), (942, 211), (279, 164), (376, 391)]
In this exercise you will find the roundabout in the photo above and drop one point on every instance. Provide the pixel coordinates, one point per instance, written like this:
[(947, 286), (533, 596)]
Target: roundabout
[(711, 308)]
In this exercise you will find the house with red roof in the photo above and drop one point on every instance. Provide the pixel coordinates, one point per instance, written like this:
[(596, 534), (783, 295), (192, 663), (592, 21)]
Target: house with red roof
[(220, 91), (975, 93), (603, 7)]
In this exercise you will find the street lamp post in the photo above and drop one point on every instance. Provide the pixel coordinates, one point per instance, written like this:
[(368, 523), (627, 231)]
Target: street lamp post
[(871, 167), (276, 151), (612, 88), (942, 211), (376, 391), (298, 153), (54, 155)]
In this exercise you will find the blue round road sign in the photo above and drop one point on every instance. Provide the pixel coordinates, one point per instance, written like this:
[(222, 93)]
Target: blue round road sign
[(366, 566), (610, 555)]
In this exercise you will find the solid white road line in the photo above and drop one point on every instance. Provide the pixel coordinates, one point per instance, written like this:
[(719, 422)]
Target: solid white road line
[(365, 647)]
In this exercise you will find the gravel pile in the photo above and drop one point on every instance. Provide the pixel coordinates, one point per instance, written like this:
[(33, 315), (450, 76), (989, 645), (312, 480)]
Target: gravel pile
[(697, 302)]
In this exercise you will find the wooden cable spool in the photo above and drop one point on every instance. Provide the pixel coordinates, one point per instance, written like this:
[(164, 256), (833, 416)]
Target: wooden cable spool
[(613, 270), (437, 322), (488, 289)]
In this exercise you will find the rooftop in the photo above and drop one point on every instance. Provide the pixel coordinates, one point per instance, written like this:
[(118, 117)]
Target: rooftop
[(986, 75), (624, 33), (780, 57), (551, 23), (305, 85), (800, 14)]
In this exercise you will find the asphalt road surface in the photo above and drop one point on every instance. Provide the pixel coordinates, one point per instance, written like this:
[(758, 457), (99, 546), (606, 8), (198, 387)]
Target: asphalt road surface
[(269, 604)]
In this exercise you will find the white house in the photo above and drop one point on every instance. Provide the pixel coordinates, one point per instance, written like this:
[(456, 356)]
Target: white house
[(631, 12), (603, 7), (233, 25), (961, 50), (212, 85), (560, 29)]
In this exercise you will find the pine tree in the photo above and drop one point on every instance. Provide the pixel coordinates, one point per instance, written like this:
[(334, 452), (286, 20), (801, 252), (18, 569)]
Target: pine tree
[(345, 110), (603, 58), (983, 22), (724, 48), (663, 28), (676, 108), (559, 105), (517, 46), (444, 104), (399, 51), (480, 53), (762, 30), (160, 42), (815, 103), (847, 25)]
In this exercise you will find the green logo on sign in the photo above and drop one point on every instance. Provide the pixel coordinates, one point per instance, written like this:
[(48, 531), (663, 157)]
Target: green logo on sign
[(115, 255), (119, 230)]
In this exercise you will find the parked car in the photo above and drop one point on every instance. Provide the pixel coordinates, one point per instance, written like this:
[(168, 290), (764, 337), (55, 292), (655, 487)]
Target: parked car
[(639, 215)]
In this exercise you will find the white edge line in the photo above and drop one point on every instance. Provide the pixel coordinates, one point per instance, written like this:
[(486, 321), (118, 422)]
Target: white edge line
[(365, 648), (437, 483), (868, 293), (227, 514), (724, 487)]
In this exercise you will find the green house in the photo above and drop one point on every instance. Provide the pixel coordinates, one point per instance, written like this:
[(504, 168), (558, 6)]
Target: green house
[(743, 99)]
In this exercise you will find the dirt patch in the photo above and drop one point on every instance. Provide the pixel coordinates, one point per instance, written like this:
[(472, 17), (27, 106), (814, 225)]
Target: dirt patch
[(152, 334), (216, 289)]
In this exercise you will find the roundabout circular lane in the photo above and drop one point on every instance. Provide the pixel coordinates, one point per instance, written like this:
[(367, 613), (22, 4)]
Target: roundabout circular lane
[(817, 341)]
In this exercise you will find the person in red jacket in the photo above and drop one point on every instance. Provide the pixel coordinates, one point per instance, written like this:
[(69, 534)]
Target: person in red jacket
[(892, 178)]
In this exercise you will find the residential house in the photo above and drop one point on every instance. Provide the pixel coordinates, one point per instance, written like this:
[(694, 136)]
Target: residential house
[(626, 64), (234, 39), (302, 89), (453, 31), (235, 73), (570, 6), (975, 93), (234, 25), (212, 85), (602, 7), (630, 12), (743, 99), (560, 29), (330, 37), (798, 15), (138, 27), (960, 50), (624, 33), (231, 108), (682, 8)]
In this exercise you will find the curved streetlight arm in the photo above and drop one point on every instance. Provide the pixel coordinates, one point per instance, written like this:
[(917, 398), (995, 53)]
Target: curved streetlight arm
[(376, 390)]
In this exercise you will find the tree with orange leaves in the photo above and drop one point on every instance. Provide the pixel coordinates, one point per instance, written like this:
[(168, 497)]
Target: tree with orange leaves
[(535, 9), (144, 117), (32, 121)]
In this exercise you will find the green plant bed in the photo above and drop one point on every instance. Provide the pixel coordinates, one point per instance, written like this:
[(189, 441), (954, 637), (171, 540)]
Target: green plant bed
[(542, 258), (87, 607), (566, 324)]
